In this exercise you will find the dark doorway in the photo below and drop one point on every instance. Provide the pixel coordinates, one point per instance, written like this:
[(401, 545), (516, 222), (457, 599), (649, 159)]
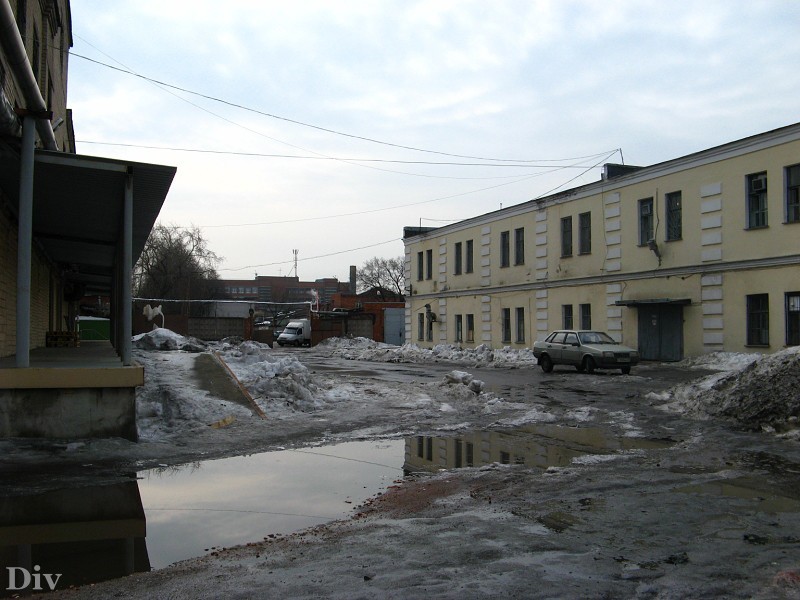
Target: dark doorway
[(661, 331)]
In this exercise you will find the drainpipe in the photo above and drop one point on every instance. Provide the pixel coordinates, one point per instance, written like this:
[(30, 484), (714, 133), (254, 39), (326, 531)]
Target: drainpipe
[(17, 58), (24, 244)]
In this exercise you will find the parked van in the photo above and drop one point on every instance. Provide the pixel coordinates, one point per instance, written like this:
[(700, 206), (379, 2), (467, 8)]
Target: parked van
[(296, 333)]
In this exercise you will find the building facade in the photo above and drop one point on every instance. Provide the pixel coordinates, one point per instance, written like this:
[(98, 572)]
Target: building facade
[(690, 256)]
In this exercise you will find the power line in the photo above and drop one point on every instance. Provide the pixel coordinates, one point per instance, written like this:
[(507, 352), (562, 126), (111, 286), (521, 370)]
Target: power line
[(291, 261), (127, 71)]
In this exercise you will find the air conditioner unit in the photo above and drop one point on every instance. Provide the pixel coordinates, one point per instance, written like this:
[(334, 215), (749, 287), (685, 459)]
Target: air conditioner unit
[(759, 184)]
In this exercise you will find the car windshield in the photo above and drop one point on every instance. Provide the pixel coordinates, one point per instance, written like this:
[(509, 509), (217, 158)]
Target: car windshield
[(291, 331), (595, 337)]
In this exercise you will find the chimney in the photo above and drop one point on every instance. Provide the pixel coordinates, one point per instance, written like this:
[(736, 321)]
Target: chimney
[(352, 279)]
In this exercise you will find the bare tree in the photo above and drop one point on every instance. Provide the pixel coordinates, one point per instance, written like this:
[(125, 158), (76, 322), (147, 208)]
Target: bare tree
[(386, 273), (176, 264)]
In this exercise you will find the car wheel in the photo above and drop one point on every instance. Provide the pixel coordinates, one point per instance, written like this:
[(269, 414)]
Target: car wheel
[(546, 363), (588, 364), (626, 370)]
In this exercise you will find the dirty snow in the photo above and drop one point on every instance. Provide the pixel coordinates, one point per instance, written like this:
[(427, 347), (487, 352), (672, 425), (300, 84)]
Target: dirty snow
[(594, 528)]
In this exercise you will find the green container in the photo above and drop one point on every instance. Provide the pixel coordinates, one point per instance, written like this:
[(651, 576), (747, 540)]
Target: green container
[(94, 328)]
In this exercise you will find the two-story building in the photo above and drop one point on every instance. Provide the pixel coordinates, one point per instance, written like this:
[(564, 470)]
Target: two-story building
[(689, 256)]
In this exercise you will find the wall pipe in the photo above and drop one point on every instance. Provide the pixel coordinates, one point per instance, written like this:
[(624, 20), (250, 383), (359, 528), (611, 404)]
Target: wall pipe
[(14, 48), (25, 244)]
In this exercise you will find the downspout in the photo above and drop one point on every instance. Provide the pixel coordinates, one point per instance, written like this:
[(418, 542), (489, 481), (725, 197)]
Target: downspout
[(17, 58)]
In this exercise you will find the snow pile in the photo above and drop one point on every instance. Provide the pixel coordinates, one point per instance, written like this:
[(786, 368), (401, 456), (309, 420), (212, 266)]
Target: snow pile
[(166, 339), (364, 349), (273, 379), (764, 394), (719, 361)]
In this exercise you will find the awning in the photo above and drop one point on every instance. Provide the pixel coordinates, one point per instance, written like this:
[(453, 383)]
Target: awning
[(649, 301), (78, 206)]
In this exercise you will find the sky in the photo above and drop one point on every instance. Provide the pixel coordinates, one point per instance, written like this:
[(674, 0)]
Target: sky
[(327, 126)]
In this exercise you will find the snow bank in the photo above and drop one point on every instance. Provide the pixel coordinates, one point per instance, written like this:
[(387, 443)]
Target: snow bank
[(271, 379), (364, 349), (166, 339), (762, 394)]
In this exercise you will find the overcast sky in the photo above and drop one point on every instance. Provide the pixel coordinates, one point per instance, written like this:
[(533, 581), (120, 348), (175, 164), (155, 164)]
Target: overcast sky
[(554, 89)]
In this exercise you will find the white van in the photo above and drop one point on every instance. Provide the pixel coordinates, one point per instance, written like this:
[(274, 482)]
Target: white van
[(296, 333)]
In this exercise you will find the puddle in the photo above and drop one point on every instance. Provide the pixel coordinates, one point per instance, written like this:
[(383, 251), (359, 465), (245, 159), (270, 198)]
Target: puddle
[(765, 498), (95, 533), (540, 446)]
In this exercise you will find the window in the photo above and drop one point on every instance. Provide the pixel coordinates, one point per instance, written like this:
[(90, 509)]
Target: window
[(420, 261), (520, 314), (429, 330), (459, 328), (758, 320), (757, 200), (504, 249), (506, 324), (793, 319), (645, 221), (585, 233), (586, 316), (420, 446), (566, 236), (793, 194), (468, 258), (457, 252), (429, 264), (420, 326), (519, 246), (674, 220), (566, 316), (470, 328)]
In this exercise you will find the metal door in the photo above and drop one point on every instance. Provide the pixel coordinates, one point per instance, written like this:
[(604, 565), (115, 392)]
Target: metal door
[(661, 332), (394, 326)]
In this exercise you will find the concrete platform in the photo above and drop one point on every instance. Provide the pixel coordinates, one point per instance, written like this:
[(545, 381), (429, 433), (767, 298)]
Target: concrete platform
[(70, 393)]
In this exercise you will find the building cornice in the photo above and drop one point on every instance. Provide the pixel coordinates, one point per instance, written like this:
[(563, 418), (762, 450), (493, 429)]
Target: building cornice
[(688, 271)]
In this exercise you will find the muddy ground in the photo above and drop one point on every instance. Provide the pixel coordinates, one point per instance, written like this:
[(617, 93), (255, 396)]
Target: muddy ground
[(686, 508)]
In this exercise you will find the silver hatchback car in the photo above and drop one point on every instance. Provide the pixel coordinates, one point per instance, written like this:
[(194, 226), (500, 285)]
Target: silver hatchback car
[(585, 350)]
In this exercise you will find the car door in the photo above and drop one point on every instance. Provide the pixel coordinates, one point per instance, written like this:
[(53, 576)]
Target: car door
[(555, 346), (571, 353)]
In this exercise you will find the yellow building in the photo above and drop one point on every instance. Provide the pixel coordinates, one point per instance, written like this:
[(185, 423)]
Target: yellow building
[(693, 255)]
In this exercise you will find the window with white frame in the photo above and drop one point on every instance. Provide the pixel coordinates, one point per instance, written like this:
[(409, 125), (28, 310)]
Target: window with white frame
[(519, 246), (793, 194), (674, 216), (520, 323), (566, 236), (646, 232), (567, 321), (757, 200), (505, 251), (758, 320), (585, 233), (586, 316)]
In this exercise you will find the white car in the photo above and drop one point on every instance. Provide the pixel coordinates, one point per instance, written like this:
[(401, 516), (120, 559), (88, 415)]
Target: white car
[(585, 350)]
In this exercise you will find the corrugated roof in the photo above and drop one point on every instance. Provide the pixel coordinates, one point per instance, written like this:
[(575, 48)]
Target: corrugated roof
[(77, 208)]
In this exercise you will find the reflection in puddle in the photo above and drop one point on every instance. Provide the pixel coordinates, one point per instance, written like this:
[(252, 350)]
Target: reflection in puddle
[(221, 503), (94, 533), (86, 534), (767, 498), (533, 445)]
